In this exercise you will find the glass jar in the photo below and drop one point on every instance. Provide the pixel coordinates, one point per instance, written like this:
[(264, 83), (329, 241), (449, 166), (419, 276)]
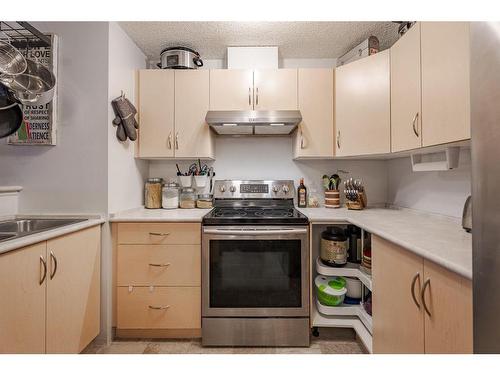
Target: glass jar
[(187, 198), (204, 201), (152, 192), (170, 196)]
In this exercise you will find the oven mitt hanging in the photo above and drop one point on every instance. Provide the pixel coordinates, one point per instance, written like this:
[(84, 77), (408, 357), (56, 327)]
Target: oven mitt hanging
[(125, 119)]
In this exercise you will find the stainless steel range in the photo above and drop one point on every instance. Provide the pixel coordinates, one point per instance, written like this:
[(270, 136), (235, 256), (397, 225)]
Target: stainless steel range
[(255, 267)]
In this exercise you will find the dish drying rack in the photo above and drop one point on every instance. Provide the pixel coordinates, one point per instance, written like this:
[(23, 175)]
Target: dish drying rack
[(23, 35)]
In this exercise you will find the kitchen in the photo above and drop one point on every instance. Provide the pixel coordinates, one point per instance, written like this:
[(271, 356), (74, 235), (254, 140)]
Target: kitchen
[(247, 187)]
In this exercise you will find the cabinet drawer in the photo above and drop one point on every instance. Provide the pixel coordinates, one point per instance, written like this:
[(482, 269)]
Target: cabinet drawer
[(135, 309), (159, 233), (160, 265)]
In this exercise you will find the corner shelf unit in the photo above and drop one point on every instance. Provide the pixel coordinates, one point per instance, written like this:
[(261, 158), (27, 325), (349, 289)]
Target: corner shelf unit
[(349, 270)]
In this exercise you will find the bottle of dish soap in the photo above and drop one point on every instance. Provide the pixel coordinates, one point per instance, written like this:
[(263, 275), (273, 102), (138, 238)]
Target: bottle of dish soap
[(302, 194)]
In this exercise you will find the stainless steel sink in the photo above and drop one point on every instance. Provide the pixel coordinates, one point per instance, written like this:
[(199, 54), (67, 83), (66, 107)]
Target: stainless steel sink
[(11, 229)]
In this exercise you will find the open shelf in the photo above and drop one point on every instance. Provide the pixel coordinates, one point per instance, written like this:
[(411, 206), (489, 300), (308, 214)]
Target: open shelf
[(349, 270), (346, 310), (343, 321)]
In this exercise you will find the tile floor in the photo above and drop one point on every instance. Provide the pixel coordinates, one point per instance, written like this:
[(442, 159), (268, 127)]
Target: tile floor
[(330, 341)]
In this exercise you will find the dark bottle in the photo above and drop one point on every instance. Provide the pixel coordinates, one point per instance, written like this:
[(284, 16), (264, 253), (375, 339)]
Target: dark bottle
[(302, 194)]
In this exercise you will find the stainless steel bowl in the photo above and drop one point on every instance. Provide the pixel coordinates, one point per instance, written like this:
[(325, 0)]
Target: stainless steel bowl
[(33, 87), (12, 62)]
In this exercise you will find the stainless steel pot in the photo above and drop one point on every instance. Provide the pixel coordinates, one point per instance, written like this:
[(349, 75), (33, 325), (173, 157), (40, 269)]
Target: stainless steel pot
[(180, 58), (12, 62), (33, 87)]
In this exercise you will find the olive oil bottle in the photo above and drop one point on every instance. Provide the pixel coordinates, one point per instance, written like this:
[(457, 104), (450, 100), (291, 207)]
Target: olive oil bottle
[(302, 194)]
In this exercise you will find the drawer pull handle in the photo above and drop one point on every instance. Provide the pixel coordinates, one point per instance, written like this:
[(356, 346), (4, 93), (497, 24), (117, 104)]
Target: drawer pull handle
[(158, 234), (158, 307), (159, 264)]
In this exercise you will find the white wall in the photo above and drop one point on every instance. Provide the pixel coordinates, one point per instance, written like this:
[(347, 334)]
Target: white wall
[(72, 176), (271, 158), (125, 173), (437, 192)]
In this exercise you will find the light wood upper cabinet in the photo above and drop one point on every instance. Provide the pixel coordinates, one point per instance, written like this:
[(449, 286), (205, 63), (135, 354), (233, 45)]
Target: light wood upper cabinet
[(22, 292), (193, 137), (231, 89), (448, 296), (431, 313), (156, 113), (406, 114), (445, 82), (73, 290), (275, 89), (362, 106), (398, 323), (314, 137)]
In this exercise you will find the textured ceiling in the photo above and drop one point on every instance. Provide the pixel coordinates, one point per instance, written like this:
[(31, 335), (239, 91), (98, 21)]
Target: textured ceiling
[(294, 39)]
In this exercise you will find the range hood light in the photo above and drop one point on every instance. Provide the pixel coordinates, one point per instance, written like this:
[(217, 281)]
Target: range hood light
[(232, 124), (280, 124)]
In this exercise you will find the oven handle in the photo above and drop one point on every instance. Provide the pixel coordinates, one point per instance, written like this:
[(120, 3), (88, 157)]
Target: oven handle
[(255, 232)]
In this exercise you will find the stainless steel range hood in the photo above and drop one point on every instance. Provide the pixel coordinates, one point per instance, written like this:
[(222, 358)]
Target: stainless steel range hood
[(253, 122)]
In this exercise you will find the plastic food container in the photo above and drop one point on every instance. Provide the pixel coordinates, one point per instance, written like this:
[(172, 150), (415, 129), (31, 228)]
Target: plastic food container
[(353, 286), (334, 246), (330, 290)]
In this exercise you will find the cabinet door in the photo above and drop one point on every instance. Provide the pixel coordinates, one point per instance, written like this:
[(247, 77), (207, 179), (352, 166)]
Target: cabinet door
[(398, 324), (73, 290), (448, 297), (362, 106), (193, 138), (156, 113), (406, 130), (22, 296), (275, 89), (231, 89), (445, 82), (314, 138)]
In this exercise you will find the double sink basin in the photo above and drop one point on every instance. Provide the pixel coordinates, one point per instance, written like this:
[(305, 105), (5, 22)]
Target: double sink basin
[(12, 229)]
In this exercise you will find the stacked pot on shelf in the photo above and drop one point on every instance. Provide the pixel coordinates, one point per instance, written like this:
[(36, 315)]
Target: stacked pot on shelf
[(22, 82)]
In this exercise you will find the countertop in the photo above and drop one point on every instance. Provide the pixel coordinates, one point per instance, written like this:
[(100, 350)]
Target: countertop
[(31, 239), (188, 215), (439, 239)]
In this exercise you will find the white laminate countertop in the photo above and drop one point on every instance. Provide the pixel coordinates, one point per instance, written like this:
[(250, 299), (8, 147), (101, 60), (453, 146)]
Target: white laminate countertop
[(31, 239), (437, 238), (188, 215)]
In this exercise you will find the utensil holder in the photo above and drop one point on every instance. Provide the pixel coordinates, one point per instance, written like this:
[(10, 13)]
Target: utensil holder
[(186, 181), (201, 181), (332, 199)]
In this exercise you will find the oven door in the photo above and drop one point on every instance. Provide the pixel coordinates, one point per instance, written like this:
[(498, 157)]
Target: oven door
[(255, 271)]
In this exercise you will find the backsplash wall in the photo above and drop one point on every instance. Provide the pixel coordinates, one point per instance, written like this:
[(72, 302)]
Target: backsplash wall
[(271, 158), (437, 192)]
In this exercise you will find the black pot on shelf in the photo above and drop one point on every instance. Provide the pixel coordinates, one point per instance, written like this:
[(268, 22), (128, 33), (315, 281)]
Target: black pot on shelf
[(11, 114)]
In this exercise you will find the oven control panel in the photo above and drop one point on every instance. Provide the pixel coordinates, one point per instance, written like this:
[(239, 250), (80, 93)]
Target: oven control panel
[(254, 189)]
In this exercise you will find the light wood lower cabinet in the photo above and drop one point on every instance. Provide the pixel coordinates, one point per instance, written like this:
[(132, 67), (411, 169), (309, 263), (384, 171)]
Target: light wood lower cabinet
[(398, 324), (73, 291), (50, 295), (428, 313), (158, 279), (22, 296), (448, 296)]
